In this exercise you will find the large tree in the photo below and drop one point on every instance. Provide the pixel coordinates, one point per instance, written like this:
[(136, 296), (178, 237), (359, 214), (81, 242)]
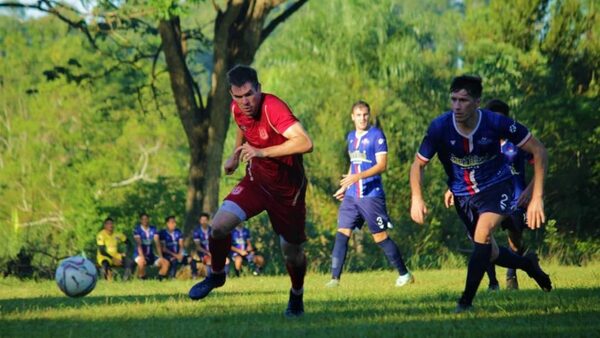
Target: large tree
[(240, 27)]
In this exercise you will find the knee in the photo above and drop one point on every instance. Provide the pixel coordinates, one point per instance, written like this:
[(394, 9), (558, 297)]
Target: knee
[(294, 255), (219, 232), (380, 236)]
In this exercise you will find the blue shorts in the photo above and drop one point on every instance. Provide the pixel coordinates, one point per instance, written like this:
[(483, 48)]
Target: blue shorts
[(355, 211), (517, 221), (497, 199)]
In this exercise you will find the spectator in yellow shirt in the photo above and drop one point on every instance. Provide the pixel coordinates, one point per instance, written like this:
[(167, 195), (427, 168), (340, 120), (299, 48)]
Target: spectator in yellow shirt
[(108, 254)]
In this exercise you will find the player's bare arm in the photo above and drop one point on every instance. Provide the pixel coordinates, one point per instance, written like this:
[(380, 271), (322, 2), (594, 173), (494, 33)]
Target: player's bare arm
[(158, 247), (298, 142), (377, 169), (535, 210), (448, 198), (234, 160), (418, 209), (341, 192)]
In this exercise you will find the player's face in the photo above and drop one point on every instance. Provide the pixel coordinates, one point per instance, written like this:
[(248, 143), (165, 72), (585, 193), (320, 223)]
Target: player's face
[(463, 105), (144, 220), (360, 117), (171, 224), (204, 221), (109, 226), (247, 98)]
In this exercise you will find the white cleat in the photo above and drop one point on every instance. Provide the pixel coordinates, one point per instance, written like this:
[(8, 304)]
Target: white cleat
[(334, 283), (402, 280)]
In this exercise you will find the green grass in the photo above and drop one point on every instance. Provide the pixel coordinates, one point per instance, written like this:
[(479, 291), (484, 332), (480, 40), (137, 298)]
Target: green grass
[(365, 305)]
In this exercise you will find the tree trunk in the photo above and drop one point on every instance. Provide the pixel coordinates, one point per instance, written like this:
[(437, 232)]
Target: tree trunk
[(193, 119)]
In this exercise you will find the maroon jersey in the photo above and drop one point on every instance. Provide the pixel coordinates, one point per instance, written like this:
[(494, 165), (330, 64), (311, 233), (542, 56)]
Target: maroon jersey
[(283, 176)]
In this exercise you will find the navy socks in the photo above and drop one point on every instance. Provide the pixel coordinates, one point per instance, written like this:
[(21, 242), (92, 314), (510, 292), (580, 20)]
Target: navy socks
[(340, 248), (393, 254)]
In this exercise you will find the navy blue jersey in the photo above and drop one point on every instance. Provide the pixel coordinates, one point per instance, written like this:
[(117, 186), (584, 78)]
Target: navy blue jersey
[(363, 150), (200, 236), (516, 158), (239, 237), (170, 239), (147, 238), (472, 162)]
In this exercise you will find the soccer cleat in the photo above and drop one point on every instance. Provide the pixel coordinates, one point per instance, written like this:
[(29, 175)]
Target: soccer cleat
[(512, 283), (493, 287), (404, 279), (202, 289), (295, 306), (536, 272), (333, 283), (461, 308)]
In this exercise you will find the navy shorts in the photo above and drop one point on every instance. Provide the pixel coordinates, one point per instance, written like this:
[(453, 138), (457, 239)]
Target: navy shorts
[(355, 211), (517, 221), (496, 199)]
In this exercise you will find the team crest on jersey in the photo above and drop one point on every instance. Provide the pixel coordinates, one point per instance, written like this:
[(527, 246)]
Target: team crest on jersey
[(365, 141), (243, 128), (237, 190), (452, 142), (512, 128), (263, 133)]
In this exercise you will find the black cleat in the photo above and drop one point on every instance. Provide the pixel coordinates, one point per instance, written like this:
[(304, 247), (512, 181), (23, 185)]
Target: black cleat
[(202, 289), (462, 308), (541, 278), (295, 306), (512, 283)]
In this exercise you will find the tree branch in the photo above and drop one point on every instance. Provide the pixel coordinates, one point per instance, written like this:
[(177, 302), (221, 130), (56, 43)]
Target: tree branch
[(281, 18)]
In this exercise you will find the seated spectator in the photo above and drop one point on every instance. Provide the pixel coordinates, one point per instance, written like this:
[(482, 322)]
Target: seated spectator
[(171, 243), (145, 235), (241, 249), (201, 255), (108, 254)]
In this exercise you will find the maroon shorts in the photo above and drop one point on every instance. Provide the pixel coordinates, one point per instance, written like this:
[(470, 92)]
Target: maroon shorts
[(287, 217)]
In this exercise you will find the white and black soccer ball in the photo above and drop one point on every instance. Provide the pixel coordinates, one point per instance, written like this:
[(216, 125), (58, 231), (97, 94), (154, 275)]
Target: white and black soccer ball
[(76, 276)]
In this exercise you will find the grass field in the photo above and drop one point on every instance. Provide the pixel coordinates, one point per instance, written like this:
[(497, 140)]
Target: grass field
[(365, 305)]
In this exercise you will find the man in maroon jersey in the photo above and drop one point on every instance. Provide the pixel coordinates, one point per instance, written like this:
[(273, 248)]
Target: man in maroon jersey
[(271, 140)]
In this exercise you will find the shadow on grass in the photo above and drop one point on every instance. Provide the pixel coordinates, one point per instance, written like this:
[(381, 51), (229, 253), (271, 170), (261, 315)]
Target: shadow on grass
[(563, 312)]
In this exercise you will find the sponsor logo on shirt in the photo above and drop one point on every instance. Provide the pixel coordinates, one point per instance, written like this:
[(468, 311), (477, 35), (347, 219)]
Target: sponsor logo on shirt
[(237, 190), (470, 161), (484, 141)]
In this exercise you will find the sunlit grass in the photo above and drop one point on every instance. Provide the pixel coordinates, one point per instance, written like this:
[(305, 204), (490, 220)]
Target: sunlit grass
[(366, 304)]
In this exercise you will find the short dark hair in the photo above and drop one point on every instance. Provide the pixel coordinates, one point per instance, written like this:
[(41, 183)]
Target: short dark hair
[(470, 83), (361, 104), (240, 74), (498, 106), (168, 218), (143, 213), (108, 219), (204, 214)]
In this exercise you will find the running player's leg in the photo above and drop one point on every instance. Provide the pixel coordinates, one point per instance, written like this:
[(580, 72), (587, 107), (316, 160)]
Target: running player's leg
[(288, 221), (515, 226), (348, 219), (481, 256), (374, 211), (244, 201)]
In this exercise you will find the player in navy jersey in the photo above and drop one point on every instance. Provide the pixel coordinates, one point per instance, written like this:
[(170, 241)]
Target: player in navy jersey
[(145, 235), (272, 141), (362, 195), (467, 141), (171, 242), (242, 249), (515, 223), (200, 237)]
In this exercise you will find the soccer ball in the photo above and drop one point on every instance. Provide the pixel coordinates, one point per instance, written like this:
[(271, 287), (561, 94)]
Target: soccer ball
[(76, 276)]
